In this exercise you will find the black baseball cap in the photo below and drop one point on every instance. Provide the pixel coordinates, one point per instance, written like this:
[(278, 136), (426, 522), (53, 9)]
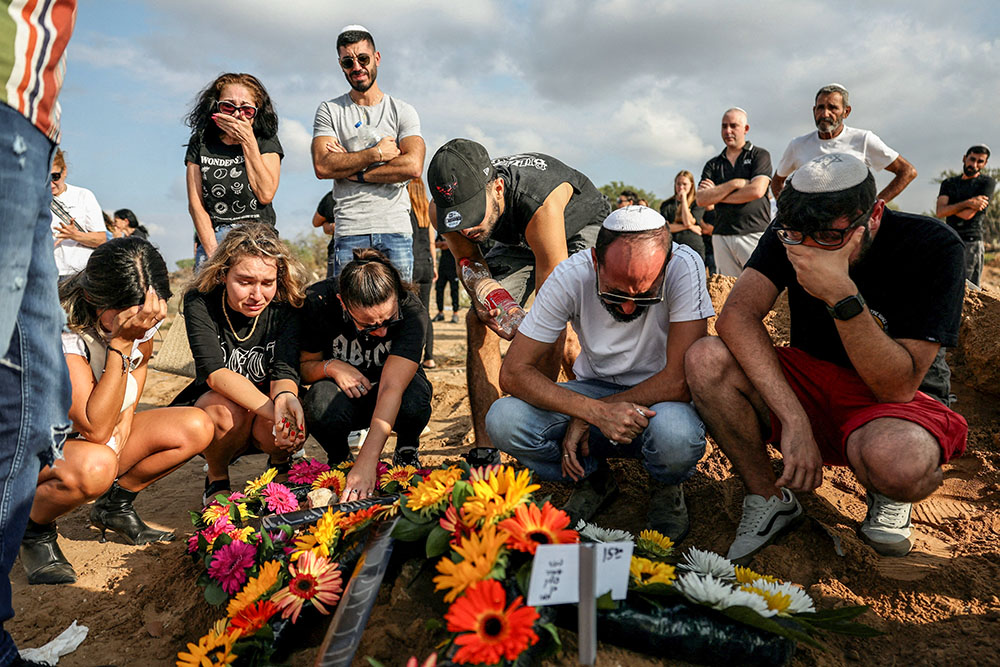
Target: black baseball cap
[(458, 175)]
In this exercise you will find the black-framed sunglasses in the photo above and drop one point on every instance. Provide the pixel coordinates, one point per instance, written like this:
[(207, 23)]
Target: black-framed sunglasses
[(619, 299), (56, 175), (347, 62), (230, 109), (828, 237), (395, 319)]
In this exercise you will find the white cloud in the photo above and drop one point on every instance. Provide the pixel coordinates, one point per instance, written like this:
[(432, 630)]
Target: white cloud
[(296, 141)]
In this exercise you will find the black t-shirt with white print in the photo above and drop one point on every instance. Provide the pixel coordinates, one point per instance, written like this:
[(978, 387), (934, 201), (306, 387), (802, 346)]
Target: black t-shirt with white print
[(225, 189), (332, 332), (531, 177), (270, 353)]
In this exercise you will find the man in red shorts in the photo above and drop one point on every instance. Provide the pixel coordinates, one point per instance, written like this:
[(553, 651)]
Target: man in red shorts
[(873, 295)]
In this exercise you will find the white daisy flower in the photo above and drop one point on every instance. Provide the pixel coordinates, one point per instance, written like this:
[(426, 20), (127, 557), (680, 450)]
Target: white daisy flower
[(595, 533), (718, 594), (799, 600), (707, 562), (742, 598)]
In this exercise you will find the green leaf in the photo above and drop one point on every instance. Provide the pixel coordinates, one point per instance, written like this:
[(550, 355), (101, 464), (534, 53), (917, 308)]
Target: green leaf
[(373, 662), (657, 589), (414, 517), (195, 518), (460, 492), (553, 632), (523, 578), (234, 515), (841, 614), (606, 603), (437, 542), (267, 541), (748, 616), (433, 624), (408, 531), (214, 594), (466, 468)]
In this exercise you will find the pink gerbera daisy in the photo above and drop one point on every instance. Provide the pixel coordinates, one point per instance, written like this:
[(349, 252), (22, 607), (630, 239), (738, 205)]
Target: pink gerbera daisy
[(279, 498), (220, 526), (230, 564), (314, 579), (306, 472)]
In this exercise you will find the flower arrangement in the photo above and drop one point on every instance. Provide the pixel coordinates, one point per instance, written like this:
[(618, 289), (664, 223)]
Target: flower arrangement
[(263, 577)]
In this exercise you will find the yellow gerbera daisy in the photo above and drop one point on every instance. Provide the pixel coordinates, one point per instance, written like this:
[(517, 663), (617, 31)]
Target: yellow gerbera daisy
[(243, 534), (776, 600), (334, 480), (399, 474), (655, 544), (213, 512), (212, 649), (256, 588), (744, 575), (430, 493), (645, 572), (498, 495), (321, 538), (254, 486), (479, 552)]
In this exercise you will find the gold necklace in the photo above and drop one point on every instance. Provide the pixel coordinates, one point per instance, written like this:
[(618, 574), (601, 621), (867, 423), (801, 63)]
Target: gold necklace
[(226, 313)]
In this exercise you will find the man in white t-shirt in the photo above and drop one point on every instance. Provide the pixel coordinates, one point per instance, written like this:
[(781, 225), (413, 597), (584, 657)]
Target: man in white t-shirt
[(832, 136), (369, 143), (637, 302)]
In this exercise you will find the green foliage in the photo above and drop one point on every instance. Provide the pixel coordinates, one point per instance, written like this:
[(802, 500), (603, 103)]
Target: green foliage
[(214, 595), (185, 264), (437, 542), (310, 249), (991, 222), (612, 189)]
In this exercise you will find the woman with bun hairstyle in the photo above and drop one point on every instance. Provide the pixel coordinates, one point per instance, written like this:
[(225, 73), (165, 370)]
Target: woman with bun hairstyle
[(362, 356), (242, 324), (113, 308)]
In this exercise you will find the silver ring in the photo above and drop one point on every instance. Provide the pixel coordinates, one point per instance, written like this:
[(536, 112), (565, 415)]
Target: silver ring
[(565, 456)]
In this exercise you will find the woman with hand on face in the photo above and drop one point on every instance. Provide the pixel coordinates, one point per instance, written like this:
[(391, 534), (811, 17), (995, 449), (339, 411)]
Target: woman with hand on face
[(683, 216), (233, 159), (77, 221), (243, 327), (113, 309), (362, 357)]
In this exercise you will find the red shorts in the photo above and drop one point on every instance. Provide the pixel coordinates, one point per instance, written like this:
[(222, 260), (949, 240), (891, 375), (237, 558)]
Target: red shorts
[(837, 402)]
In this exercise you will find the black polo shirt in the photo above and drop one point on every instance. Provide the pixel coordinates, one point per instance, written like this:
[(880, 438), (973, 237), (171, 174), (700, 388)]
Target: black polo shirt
[(958, 189), (753, 216)]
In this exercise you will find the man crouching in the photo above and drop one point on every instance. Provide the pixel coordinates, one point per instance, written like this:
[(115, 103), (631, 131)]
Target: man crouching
[(873, 294), (638, 301)]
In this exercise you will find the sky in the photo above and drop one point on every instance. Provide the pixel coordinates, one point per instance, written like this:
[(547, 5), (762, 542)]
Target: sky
[(620, 89)]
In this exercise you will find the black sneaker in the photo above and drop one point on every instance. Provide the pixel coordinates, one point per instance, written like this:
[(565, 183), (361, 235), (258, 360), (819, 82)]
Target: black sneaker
[(212, 489), (591, 494), (406, 457), (282, 467), (438, 318), (478, 457), (668, 512)]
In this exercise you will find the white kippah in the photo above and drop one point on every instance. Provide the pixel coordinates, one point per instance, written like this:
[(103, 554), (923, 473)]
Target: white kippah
[(354, 27), (633, 219), (829, 173)]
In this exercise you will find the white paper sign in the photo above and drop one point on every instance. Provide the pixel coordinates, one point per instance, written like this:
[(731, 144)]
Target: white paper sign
[(555, 573)]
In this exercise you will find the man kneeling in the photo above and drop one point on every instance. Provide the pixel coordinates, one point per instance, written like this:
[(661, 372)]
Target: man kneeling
[(638, 302), (873, 294)]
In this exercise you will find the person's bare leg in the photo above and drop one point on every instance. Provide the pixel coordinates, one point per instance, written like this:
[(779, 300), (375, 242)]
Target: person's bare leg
[(263, 437), (86, 472), (733, 412), (570, 351), (482, 372), (161, 441), (232, 430), (896, 458)]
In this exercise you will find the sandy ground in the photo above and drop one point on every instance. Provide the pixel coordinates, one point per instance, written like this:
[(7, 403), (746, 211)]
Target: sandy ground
[(141, 603)]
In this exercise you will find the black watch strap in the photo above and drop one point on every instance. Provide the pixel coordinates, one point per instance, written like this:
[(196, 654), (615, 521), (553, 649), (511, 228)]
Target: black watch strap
[(847, 308)]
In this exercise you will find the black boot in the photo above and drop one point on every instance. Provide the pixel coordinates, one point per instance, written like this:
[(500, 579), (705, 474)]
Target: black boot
[(41, 557), (114, 510)]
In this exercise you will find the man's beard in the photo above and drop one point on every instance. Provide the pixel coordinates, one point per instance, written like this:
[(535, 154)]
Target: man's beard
[(494, 218), (971, 172), (829, 126), (362, 87), (617, 314)]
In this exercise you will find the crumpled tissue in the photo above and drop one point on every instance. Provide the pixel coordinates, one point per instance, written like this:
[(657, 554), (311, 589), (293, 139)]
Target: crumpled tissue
[(67, 642)]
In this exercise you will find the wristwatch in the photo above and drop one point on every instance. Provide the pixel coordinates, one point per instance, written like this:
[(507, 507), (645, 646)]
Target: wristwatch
[(847, 308)]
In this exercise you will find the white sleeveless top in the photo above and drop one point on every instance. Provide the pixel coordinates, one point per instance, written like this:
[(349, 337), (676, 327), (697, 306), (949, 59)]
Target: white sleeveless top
[(92, 347)]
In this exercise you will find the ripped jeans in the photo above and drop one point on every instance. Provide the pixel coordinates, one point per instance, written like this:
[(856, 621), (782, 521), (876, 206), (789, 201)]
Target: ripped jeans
[(34, 382)]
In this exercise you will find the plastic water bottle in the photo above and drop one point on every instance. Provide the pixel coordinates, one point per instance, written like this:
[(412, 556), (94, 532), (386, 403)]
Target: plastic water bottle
[(366, 136), (491, 295)]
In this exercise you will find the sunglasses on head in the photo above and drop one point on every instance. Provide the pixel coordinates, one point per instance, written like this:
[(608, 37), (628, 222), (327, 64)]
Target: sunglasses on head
[(56, 175), (230, 109), (827, 237), (347, 62)]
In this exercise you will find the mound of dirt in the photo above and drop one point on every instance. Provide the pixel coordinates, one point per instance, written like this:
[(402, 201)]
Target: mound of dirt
[(976, 360)]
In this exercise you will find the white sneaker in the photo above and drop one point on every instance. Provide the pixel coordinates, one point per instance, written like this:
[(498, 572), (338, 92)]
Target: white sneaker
[(886, 528), (763, 520)]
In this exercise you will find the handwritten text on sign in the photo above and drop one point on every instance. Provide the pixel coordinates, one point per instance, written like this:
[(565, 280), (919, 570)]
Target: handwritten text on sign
[(555, 573)]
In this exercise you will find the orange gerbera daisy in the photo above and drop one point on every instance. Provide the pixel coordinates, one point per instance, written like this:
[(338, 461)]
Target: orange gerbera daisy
[(479, 553), (211, 650), (256, 588), (496, 496), (253, 617), (492, 632), (430, 494), (531, 526), (314, 579), (357, 520), (331, 479)]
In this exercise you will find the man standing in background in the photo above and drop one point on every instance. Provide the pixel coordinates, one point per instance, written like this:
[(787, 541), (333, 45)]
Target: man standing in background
[(369, 143), (962, 201)]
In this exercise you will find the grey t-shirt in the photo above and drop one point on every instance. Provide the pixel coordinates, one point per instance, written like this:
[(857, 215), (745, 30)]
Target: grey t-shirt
[(367, 208)]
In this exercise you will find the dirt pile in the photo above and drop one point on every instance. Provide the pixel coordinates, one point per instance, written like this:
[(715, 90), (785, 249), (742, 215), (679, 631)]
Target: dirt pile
[(976, 360)]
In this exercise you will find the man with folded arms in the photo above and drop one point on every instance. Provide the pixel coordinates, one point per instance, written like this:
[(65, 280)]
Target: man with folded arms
[(873, 294), (637, 301)]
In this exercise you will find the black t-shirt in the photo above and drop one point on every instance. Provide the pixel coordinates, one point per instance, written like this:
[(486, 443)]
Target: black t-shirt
[(423, 260), (325, 211), (270, 353), (693, 240), (531, 177), (333, 334), (912, 278), (752, 216), (958, 189), (225, 189)]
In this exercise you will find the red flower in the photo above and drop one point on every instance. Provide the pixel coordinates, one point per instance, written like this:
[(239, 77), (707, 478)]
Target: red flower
[(531, 526), (491, 632), (252, 618)]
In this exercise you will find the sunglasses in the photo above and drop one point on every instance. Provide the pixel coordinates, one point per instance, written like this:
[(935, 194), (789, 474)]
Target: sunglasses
[(395, 319), (828, 238), (230, 109), (56, 175), (619, 299), (347, 62)]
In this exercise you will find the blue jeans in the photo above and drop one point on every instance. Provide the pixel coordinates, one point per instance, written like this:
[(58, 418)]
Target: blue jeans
[(397, 247), (34, 382), (669, 448), (199, 250)]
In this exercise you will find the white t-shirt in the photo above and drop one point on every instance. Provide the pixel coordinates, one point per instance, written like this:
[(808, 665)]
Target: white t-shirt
[(624, 353), (367, 208), (73, 343), (71, 257), (865, 144)]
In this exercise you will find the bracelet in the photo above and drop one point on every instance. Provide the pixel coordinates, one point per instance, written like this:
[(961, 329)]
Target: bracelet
[(126, 361), (286, 391), (325, 364)]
